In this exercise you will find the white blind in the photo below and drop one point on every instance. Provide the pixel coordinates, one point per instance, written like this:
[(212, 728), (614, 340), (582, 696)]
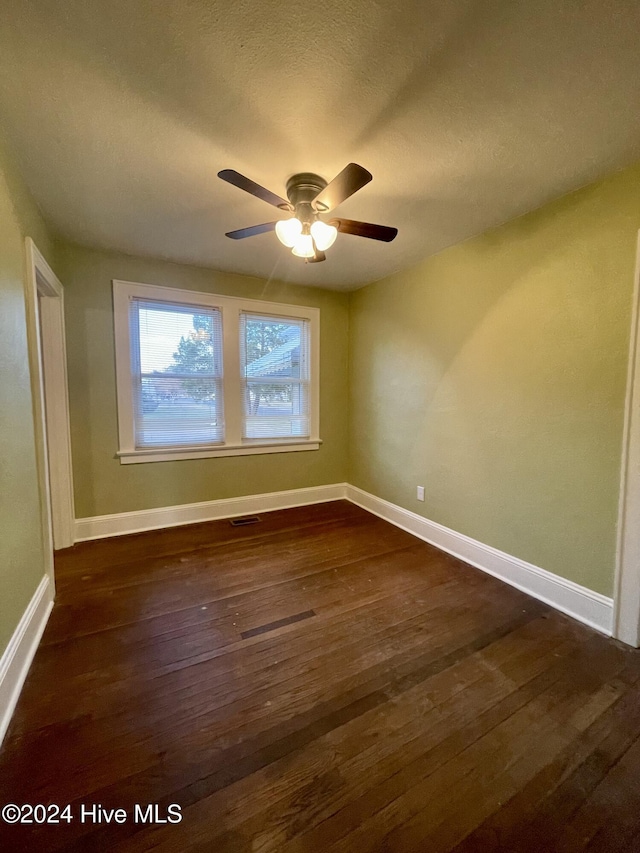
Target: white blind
[(274, 361), (176, 367)]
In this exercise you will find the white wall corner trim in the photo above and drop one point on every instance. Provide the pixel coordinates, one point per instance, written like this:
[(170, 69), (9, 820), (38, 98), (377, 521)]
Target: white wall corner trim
[(101, 526), (587, 606), (626, 626), (17, 657)]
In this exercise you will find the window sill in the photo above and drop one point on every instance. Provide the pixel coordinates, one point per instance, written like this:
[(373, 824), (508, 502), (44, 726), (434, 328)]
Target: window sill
[(130, 457)]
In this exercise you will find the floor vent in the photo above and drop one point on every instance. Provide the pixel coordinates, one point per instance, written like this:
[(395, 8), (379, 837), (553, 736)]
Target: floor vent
[(248, 519)]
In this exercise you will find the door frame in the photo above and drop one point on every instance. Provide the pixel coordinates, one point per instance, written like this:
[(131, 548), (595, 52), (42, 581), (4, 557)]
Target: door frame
[(48, 364), (626, 604)]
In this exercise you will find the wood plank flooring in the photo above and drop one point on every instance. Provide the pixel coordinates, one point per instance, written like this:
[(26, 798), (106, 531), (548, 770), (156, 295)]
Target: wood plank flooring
[(319, 681)]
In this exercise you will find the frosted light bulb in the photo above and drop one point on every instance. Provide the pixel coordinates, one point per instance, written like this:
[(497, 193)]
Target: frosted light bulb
[(304, 246), (288, 231), (323, 234)]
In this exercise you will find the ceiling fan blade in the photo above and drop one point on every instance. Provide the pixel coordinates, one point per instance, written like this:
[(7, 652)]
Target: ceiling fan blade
[(365, 229), (241, 233), (351, 179), (249, 186)]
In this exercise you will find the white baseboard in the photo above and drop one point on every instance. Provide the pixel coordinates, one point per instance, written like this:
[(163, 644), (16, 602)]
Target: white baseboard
[(101, 526), (587, 606), (17, 657), (577, 601)]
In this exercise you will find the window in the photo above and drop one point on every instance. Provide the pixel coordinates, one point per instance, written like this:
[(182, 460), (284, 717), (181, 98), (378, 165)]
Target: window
[(176, 373), (275, 376), (201, 375)]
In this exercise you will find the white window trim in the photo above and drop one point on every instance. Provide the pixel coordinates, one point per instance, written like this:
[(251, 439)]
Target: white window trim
[(231, 307)]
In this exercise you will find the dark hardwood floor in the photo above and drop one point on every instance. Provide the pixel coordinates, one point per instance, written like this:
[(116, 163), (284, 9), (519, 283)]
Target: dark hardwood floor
[(319, 681)]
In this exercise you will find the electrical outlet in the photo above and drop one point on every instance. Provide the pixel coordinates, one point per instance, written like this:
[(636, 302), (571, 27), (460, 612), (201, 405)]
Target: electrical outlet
[(420, 493)]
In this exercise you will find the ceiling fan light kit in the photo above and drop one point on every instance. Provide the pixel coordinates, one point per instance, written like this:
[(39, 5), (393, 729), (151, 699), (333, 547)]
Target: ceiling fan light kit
[(323, 234), (288, 231), (309, 196), (303, 247)]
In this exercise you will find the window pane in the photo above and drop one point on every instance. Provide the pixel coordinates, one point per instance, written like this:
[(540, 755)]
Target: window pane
[(172, 413), (274, 348), (276, 410), (176, 338), (275, 370), (177, 373)]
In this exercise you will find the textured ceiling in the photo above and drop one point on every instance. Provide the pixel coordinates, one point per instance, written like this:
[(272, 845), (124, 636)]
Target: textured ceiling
[(467, 112)]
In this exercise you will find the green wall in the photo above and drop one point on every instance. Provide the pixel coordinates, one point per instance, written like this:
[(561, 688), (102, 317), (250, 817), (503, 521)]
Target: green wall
[(21, 557), (494, 374), (102, 485)]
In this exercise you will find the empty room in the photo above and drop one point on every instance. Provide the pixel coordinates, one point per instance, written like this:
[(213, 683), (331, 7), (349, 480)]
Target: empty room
[(320, 426)]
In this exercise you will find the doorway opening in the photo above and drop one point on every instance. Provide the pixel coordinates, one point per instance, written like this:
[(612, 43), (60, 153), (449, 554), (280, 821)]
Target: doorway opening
[(47, 355)]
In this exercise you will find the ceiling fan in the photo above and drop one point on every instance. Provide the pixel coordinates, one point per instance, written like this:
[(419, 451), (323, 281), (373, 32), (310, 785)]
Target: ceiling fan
[(309, 196)]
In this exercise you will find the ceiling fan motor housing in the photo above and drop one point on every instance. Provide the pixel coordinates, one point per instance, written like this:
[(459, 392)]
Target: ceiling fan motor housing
[(301, 191)]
